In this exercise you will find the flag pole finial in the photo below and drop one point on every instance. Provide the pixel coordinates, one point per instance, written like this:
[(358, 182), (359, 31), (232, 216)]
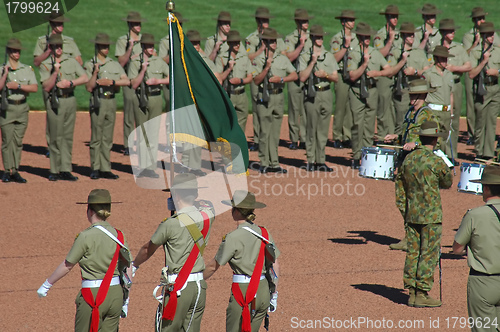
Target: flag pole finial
[(170, 6)]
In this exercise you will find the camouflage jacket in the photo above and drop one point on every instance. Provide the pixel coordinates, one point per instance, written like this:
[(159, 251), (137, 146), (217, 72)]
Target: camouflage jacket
[(417, 186)]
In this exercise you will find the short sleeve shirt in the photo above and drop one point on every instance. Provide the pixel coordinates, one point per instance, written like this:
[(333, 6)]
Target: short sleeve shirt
[(460, 57), (69, 47), (70, 69), (157, 68), (443, 85), (326, 61), (281, 65), (380, 37), (336, 44), (376, 62), (433, 41), (24, 74), (241, 68), (291, 42), (109, 69), (253, 42)]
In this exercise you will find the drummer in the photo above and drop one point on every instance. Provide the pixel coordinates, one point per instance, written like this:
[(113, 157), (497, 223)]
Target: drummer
[(418, 113)]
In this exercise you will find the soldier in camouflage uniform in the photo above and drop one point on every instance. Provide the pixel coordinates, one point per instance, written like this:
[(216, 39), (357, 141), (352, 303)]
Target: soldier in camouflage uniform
[(417, 198), (427, 35), (341, 44), (387, 40)]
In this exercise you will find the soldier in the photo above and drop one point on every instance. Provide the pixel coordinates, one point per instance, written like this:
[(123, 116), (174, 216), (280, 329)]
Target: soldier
[(128, 48), (479, 231), (341, 44), (441, 100), (107, 76), (255, 46), (387, 40), (147, 73), (216, 44), (319, 70), (183, 256), (236, 71), (417, 197), (17, 81), (416, 63), (458, 65), (297, 42), (365, 64), (246, 251), (485, 70), (470, 40), (414, 118), (60, 75), (195, 38), (102, 253), (271, 70), (427, 35)]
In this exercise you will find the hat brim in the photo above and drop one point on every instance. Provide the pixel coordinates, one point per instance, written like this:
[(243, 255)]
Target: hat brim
[(308, 18), (258, 205), (437, 12), (440, 134), (420, 92), (341, 17), (98, 203), (268, 38), (134, 20), (59, 20), (170, 189), (93, 41)]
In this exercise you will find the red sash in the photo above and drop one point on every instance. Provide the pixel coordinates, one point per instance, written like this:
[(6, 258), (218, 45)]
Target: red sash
[(252, 287), (171, 307), (103, 289)]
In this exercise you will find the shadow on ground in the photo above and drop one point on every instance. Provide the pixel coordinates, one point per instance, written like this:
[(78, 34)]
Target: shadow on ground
[(395, 295)]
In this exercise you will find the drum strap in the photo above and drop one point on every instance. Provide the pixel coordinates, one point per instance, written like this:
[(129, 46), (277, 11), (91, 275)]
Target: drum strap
[(495, 210)]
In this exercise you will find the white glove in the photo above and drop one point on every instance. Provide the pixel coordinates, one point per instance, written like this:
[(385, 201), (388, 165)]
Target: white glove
[(441, 154), (170, 204), (274, 302), (134, 268), (125, 308), (44, 289)]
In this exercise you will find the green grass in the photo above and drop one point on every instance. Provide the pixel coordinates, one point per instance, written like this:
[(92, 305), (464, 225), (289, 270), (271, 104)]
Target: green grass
[(91, 16)]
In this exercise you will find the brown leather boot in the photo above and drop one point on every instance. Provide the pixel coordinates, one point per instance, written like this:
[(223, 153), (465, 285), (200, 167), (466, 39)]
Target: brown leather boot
[(411, 299), (423, 300), (401, 245)]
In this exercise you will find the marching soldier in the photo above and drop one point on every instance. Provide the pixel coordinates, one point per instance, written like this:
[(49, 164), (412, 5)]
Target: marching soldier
[(216, 44), (255, 46), (485, 70), (147, 74), (17, 81), (246, 251), (184, 303), (427, 35), (365, 64), (341, 44), (271, 70), (458, 65), (236, 71), (387, 40), (297, 42), (320, 69), (471, 39), (107, 76), (127, 49), (59, 76)]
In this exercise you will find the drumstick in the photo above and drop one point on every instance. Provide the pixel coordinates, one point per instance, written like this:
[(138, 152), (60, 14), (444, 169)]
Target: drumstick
[(390, 146), (488, 162)]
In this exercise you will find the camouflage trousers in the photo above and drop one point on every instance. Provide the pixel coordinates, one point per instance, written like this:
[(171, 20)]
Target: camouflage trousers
[(422, 256)]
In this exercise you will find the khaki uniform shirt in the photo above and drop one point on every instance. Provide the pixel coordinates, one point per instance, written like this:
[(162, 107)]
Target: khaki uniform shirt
[(209, 62), (24, 74), (121, 48), (433, 41), (480, 231), (281, 65), (443, 84), (493, 61), (177, 240), (417, 186), (241, 249), (416, 59), (223, 49), (164, 48), (241, 68), (380, 37), (157, 68), (253, 42), (94, 250), (109, 69), (460, 57), (291, 42), (69, 46), (468, 39), (336, 44), (376, 62), (326, 61), (70, 69)]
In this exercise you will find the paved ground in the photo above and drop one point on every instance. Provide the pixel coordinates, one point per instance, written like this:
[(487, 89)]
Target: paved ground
[(333, 230)]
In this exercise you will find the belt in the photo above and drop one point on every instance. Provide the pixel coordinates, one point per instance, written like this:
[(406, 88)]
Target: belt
[(322, 88), (370, 83), (490, 80), (473, 272), (154, 93), (67, 95), (198, 276), (16, 102), (238, 92), (438, 107), (243, 279), (456, 80), (106, 95), (272, 91), (97, 283)]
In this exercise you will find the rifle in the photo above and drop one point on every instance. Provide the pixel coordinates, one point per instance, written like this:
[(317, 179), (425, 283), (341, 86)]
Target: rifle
[(296, 62), (401, 80), (47, 36), (94, 102), (141, 92), (54, 99), (265, 85), (388, 29), (311, 91), (225, 84), (4, 104), (345, 73), (363, 90), (479, 81), (423, 36), (127, 45)]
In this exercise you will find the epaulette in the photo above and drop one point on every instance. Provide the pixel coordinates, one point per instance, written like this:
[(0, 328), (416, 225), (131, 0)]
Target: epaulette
[(31, 68), (211, 37), (175, 215), (68, 38), (77, 235), (224, 238), (42, 37)]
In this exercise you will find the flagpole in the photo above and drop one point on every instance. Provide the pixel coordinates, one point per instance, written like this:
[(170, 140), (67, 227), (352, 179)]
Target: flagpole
[(170, 6)]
